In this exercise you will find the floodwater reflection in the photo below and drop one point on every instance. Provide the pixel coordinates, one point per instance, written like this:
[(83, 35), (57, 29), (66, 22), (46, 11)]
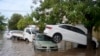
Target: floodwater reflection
[(71, 52)]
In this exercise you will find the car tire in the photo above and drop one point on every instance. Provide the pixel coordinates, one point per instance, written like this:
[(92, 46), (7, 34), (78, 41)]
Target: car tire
[(57, 38), (27, 41)]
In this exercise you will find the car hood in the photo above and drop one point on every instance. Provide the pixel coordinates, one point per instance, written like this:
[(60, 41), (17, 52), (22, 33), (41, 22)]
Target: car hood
[(47, 43)]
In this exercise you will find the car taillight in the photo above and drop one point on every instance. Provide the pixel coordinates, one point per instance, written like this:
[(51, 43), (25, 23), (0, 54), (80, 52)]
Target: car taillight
[(49, 27)]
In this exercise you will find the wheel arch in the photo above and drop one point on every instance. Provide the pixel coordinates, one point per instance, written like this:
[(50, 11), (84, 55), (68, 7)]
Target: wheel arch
[(57, 33), (60, 37)]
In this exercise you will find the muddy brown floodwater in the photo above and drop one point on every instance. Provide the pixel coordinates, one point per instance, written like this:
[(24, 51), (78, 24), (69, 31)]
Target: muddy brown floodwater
[(21, 48)]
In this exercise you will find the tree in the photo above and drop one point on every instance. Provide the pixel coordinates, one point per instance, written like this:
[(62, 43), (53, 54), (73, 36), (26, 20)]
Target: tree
[(2, 24), (40, 20), (22, 23), (12, 24), (86, 12)]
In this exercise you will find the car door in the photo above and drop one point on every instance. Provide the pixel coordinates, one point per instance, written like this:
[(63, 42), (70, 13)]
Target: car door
[(73, 34), (27, 33), (33, 33)]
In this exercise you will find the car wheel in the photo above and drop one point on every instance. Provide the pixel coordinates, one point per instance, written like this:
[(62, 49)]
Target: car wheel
[(27, 41), (57, 38)]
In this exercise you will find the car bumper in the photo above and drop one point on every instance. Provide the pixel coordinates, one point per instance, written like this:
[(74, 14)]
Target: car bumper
[(46, 49)]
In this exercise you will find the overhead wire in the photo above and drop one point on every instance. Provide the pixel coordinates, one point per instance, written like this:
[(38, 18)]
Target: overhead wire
[(5, 10)]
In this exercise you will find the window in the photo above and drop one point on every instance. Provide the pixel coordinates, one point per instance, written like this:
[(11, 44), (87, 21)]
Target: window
[(43, 38), (66, 27), (75, 29), (28, 31), (78, 30)]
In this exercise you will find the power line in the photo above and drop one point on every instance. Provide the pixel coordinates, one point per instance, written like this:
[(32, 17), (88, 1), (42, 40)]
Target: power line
[(4, 10)]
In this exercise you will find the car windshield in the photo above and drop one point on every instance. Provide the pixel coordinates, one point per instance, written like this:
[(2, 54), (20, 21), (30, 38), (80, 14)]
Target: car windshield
[(34, 31), (43, 38)]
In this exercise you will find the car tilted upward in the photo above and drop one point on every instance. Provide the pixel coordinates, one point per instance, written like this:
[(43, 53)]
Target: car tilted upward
[(43, 42), (75, 34)]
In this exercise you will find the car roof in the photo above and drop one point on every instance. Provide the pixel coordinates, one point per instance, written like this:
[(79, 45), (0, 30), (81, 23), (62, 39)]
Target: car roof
[(65, 24), (79, 26)]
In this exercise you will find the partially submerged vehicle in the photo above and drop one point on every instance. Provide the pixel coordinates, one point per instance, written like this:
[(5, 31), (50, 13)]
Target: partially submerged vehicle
[(28, 33), (43, 42)]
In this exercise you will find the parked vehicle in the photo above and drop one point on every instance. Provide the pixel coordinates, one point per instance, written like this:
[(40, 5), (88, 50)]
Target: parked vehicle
[(28, 33), (75, 34), (43, 42), (10, 33)]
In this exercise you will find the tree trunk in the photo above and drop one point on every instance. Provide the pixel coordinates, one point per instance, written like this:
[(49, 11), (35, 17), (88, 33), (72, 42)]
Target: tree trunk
[(89, 38), (90, 51)]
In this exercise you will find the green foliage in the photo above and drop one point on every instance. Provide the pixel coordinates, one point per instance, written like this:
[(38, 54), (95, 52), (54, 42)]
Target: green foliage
[(36, 15), (29, 19), (76, 11), (2, 24), (48, 4), (41, 26), (75, 17), (22, 23), (14, 20)]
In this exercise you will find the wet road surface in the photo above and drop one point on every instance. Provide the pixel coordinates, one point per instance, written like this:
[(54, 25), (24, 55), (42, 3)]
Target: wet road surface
[(21, 48)]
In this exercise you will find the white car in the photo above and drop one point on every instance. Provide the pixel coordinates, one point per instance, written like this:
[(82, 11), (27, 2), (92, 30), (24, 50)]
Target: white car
[(43, 42), (67, 32)]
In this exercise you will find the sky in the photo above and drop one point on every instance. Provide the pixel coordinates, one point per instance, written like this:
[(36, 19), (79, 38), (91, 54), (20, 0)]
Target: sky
[(8, 7)]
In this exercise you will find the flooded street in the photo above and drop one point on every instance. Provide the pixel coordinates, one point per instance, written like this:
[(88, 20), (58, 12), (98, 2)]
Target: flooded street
[(21, 48)]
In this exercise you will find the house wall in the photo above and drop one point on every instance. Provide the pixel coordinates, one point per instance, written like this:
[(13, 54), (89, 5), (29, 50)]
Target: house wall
[(97, 35)]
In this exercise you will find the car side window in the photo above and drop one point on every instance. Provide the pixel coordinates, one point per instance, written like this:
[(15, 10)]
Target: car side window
[(73, 29), (28, 31), (66, 27), (78, 30)]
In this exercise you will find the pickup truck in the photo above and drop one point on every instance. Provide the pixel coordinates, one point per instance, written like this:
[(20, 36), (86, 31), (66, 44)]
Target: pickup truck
[(28, 34)]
